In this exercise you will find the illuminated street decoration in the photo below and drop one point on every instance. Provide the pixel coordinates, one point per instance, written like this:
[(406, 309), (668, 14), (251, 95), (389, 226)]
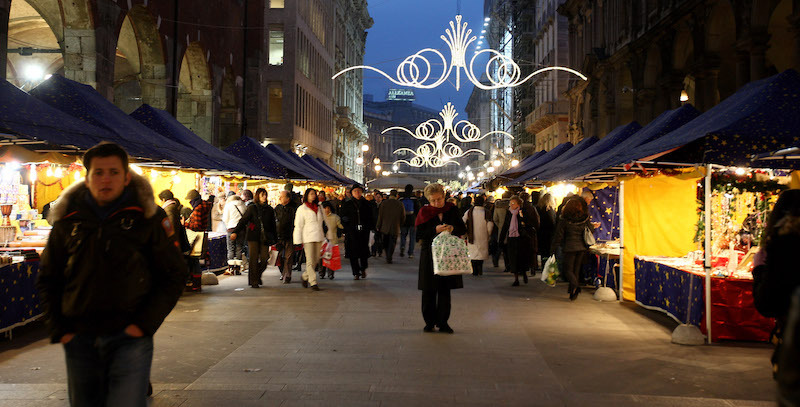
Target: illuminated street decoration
[(415, 71), (438, 150)]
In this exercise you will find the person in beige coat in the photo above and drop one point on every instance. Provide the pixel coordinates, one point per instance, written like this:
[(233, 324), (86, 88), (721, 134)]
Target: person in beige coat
[(308, 231), (333, 225), (391, 216)]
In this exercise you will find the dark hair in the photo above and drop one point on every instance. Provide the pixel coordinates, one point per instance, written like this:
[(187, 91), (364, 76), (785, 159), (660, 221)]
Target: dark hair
[(788, 204), (248, 195), (507, 195), (573, 209), (308, 191), (409, 188), (102, 150), (166, 195), (393, 192), (479, 200), (328, 204), (259, 191), (524, 196)]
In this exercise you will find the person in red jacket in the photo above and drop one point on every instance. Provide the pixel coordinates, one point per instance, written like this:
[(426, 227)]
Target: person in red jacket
[(200, 219)]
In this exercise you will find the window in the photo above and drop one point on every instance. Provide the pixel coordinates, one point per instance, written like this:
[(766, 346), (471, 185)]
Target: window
[(275, 103), (276, 3), (276, 45)]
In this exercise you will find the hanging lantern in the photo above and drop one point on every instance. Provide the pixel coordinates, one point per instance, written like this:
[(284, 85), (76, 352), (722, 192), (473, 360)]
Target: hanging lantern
[(32, 174)]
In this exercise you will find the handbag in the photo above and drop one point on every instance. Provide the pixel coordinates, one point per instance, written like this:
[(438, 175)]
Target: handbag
[(588, 236), (450, 255)]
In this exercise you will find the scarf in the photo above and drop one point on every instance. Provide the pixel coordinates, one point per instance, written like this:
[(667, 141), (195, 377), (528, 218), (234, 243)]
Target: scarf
[(429, 212), (513, 226), (314, 207)]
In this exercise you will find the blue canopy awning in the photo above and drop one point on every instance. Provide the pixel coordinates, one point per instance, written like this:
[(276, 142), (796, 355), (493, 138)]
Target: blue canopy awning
[(628, 150), (523, 165), (760, 117), (295, 165), (83, 102), (544, 159), (256, 155), (325, 169), (28, 117), (324, 164), (163, 123), (569, 168), (576, 149)]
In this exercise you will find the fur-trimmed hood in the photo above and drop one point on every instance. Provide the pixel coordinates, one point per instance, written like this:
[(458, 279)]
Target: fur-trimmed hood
[(140, 187), (233, 198)]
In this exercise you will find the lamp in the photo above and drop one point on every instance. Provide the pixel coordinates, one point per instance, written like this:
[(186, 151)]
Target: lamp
[(365, 148), (684, 96)]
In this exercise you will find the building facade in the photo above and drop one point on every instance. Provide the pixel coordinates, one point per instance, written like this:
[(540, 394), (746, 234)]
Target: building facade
[(548, 120), (642, 57), (261, 68)]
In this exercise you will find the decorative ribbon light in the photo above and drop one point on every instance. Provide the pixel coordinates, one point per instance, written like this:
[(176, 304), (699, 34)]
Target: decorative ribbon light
[(438, 150), (415, 70)]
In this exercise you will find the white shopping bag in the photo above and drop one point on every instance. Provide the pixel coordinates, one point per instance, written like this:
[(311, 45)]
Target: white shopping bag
[(450, 255)]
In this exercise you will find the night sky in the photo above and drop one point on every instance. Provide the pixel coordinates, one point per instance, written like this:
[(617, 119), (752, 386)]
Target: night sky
[(403, 27)]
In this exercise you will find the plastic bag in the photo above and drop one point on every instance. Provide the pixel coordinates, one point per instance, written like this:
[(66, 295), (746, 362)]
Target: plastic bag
[(327, 250), (550, 272), (335, 261), (450, 255)]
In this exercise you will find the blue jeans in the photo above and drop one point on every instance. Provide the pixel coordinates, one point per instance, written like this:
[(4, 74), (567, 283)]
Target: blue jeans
[(408, 231), (108, 370), (236, 247)]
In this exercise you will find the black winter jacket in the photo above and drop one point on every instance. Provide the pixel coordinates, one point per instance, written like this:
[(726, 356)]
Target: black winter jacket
[(98, 276), (569, 233), (256, 219), (284, 214)]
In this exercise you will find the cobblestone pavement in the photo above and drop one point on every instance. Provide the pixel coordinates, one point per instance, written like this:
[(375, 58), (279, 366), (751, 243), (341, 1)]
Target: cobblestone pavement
[(360, 343)]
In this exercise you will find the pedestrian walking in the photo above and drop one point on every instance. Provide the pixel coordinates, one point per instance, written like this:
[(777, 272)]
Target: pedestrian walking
[(547, 225), (569, 237), (285, 214), (391, 216), (516, 237), (358, 222), (173, 208), (308, 231), (408, 232), (200, 218), (533, 219), (333, 232), (217, 210), (375, 205), (231, 215), (111, 272), (499, 219), (259, 222), (435, 218), (479, 228), (776, 276)]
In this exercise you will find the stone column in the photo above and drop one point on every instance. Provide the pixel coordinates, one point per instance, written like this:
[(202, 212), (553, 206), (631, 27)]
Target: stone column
[(80, 57), (759, 39), (742, 63)]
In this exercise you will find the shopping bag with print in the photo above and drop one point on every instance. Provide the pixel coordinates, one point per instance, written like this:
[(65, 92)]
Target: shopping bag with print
[(335, 262), (273, 256), (326, 252), (450, 255), (550, 271)]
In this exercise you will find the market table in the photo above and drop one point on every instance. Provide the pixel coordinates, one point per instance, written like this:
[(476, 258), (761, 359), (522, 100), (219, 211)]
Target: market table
[(217, 252), (18, 296), (679, 291)]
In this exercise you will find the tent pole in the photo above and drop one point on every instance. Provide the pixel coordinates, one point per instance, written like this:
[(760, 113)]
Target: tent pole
[(707, 257), (621, 199)]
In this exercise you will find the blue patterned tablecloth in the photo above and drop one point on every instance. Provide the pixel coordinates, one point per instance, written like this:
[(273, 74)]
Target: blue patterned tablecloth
[(217, 252), (670, 290), (19, 300)]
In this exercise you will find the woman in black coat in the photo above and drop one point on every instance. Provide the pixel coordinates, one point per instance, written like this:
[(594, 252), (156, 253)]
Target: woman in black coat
[(356, 214), (259, 221), (433, 219), (518, 240), (569, 236), (547, 225)]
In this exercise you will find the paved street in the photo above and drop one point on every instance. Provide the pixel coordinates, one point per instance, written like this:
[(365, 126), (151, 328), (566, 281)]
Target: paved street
[(361, 343)]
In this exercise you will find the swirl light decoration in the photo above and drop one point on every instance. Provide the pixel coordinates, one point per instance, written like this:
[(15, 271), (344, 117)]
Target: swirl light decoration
[(415, 71), (438, 150)]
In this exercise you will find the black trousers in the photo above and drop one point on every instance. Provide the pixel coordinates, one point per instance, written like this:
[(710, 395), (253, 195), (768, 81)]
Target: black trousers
[(389, 242), (572, 268), (436, 306), (358, 264), (477, 267)]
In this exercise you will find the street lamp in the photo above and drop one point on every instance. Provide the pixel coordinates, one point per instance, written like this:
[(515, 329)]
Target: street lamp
[(377, 168), (395, 168), (359, 160), (509, 150), (684, 96), (376, 160), (365, 148), (490, 169), (514, 163), (496, 163)]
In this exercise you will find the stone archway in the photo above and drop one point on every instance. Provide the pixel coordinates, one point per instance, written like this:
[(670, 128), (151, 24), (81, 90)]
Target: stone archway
[(720, 50), (781, 40), (194, 92), (51, 25), (139, 69)]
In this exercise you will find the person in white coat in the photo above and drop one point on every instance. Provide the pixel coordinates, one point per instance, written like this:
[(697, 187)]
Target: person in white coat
[(231, 214), (308, 231), (479, 228)]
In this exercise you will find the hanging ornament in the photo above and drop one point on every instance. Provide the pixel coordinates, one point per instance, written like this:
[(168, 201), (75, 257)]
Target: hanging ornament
[(416, 69)]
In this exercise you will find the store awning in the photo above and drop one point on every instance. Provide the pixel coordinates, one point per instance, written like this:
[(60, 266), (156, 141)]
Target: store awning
[(628, 150), (567, 168), (762, 116), (325, 169), (324, 164), (163, 123), (41, 126), (575, 150), (255, 154), (83, 102), (544, 159), (293, 163), (523, 166)]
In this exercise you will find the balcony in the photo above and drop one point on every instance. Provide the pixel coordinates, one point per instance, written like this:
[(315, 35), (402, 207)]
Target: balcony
[(353, 128), (546, 115)]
